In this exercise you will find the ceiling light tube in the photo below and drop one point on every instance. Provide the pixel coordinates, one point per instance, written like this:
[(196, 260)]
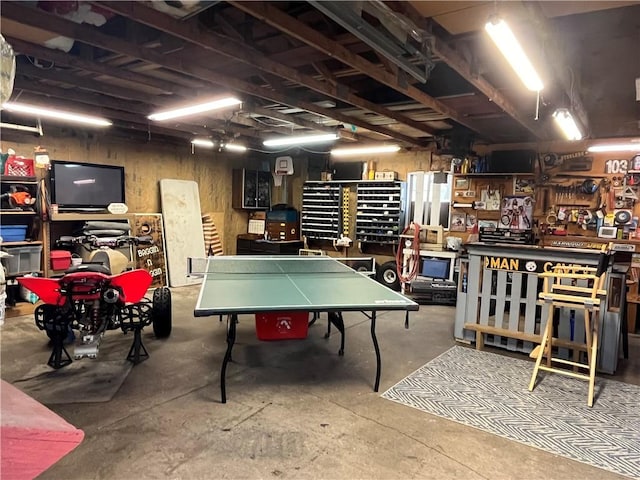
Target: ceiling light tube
[(615, 147), (55, 114), (567, 124), (509, 46), (234, 147), (202, 142), (300, 140), (194, 109), (342, 152)]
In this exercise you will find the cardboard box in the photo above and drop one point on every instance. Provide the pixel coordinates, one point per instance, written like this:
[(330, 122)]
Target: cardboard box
[(386, 175)]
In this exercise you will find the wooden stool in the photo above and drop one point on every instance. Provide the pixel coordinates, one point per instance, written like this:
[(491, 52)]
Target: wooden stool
[(557, 294)]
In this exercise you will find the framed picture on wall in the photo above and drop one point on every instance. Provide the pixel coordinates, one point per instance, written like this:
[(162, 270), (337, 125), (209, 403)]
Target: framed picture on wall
[(458, 222), (461, 184)]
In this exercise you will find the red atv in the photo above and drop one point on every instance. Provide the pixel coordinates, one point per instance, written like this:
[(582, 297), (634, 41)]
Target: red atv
[(89, 299)]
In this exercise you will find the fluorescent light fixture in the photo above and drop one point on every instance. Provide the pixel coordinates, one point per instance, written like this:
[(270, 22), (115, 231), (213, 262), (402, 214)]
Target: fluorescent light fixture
[(202, 142), (300, 140), (194, 109), (509, 46), (342, 152), (55, 114), (567, 124), (616, 147), (234, 147)]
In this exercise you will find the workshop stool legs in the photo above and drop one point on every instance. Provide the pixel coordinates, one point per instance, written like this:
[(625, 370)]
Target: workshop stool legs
[(545, 350)]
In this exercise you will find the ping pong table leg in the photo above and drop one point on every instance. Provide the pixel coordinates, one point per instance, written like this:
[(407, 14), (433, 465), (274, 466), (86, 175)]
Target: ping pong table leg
[(336, 319), (377, 349), (231, 338)]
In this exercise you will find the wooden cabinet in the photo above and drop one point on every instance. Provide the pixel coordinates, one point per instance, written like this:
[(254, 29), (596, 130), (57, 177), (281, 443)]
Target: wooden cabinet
[(251, 189), (62, 224), (20, 227)]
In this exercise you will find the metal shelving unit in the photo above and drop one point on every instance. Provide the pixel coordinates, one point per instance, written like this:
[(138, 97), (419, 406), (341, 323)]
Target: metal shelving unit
[(380, 212), (322, 210)]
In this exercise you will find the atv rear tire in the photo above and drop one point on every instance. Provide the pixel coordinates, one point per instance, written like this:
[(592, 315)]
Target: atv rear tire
[(161, 315)]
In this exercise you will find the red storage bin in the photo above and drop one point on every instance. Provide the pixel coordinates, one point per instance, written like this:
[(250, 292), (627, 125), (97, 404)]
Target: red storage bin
[(60, 259), (282, 325)]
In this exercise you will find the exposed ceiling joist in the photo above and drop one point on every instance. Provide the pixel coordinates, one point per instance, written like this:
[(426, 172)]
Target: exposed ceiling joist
[(275, 17), (460, 65), (190, 31), (89, 35)]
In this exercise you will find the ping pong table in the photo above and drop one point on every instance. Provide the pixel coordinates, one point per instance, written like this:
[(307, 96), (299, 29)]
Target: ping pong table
[(234, 285)]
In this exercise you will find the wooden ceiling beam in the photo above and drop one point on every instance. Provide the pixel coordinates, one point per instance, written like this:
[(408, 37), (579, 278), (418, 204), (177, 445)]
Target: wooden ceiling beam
[(95, 99), (192, 32), (58, 57), (284, 117), (130, 119), (86, 84), (275, 17), (92, 36), (457, 62)]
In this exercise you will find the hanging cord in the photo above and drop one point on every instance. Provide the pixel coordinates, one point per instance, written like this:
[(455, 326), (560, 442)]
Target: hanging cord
[(414, 260)]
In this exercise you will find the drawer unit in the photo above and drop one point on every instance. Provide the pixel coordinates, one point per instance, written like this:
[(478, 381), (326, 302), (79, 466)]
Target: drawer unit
[(283, 231), (380, 212), (323, 204)]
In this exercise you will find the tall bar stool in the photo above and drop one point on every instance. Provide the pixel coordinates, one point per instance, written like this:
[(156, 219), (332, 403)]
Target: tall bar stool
[(560, 290)]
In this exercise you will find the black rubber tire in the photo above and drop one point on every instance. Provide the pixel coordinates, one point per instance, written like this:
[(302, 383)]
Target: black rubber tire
[(161, 315), (361, 265), (387, 275)]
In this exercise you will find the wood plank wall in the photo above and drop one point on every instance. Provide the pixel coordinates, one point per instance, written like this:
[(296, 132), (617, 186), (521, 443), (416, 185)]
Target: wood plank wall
[(146, 164)]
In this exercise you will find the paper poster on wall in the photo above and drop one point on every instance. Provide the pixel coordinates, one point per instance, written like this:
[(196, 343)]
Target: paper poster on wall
[(151, 257), (517, 213)]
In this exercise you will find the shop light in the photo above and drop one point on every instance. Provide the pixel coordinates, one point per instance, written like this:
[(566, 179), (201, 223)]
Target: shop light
[(235, 147), (343, 152), (55, 114), (509, 46), (567, 124), (300, 140), (633, 146), (194, 109), (202, 142)]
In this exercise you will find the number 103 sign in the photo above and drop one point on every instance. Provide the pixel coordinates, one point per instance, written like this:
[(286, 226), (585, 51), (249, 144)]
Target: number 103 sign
[(622, 165)]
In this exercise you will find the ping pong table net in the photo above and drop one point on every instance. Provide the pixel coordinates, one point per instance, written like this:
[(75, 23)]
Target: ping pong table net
[(276, 265)]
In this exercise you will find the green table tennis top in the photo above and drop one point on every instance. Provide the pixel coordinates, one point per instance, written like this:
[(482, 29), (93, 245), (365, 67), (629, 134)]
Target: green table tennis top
[(252, 284)]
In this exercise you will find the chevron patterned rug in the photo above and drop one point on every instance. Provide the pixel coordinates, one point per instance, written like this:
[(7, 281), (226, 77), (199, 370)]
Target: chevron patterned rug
[(490, 392)]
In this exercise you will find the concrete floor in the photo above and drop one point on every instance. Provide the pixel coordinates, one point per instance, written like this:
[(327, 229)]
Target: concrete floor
[(295, 409)]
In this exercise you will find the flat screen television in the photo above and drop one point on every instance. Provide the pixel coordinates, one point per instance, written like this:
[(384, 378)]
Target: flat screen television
[(85, 186)]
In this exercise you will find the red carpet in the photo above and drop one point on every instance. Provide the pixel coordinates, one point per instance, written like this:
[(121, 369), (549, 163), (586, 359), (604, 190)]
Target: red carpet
[(32, 437)]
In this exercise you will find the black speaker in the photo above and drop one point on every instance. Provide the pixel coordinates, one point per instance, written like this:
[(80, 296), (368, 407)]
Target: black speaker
[(511, 161)]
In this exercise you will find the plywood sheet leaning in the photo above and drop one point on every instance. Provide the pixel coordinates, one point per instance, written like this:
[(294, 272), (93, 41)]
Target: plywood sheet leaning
[(180, 202)]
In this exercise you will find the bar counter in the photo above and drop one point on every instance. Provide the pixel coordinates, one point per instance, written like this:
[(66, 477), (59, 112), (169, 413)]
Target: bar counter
[(498, 295)]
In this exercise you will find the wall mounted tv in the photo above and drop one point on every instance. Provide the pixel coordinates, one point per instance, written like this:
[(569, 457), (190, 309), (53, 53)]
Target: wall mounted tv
[(85, 186)]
